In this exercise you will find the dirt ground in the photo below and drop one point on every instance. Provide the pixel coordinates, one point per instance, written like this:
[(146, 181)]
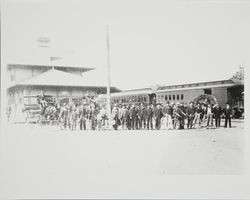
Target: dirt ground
[(48, 159)]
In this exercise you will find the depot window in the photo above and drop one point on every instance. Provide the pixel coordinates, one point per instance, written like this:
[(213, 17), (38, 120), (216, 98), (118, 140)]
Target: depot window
[(173, 97), (207, 91)]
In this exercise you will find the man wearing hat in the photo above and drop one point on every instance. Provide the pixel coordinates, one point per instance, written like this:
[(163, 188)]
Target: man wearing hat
[(197, 116), (168, 112), (158, 115), (190, 115), (142, 117), (115, 116), (228, 115), (217, 114), (149, 116), (132, 115)]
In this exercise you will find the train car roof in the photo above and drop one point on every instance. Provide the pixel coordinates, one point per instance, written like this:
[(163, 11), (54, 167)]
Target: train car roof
[(132, 92)]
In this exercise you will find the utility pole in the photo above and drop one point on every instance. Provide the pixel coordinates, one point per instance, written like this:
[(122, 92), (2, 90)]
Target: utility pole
[(108, 80)]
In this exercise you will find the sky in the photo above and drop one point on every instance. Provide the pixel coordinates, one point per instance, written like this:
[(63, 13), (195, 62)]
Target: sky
[(152, 42)]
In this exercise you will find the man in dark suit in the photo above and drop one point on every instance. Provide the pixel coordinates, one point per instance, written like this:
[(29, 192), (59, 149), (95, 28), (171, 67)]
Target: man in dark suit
[(127, 118), (190, 115), (228, 115), (217, 114), (137, 117), (132, 115), (149, 116), (142, 117), (83, 117)]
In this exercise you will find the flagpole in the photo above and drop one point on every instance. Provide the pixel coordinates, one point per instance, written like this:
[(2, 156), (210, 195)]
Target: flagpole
[(108, 80)]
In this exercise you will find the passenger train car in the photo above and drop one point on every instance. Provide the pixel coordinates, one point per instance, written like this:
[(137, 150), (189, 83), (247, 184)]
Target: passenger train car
[(221, 92)]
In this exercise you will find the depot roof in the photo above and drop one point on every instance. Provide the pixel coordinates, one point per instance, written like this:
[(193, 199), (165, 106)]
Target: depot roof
[(55, 77), (56, 66)]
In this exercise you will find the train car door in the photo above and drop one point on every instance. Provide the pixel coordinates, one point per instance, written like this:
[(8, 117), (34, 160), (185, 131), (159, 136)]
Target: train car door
[(152, 98)]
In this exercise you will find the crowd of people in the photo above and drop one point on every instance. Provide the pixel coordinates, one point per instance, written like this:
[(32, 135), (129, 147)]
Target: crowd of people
[(144, 116)]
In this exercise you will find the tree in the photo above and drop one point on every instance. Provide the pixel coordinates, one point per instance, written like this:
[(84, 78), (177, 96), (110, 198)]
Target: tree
[(239, 75)]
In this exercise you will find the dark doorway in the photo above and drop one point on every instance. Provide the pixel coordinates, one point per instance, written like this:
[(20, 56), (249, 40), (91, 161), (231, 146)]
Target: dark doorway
[(152, 98)]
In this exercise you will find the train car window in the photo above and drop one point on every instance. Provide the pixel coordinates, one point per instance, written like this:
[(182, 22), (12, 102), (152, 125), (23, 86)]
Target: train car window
[(173, 97), (166, 97), (182, 96), (169, 97), (177, 96), (145, 99)]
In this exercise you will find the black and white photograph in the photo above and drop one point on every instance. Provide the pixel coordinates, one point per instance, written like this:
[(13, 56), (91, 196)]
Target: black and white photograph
[(124, 99)]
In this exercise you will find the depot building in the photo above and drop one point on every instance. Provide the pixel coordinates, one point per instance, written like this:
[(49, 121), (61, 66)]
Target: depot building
[(65, 83)]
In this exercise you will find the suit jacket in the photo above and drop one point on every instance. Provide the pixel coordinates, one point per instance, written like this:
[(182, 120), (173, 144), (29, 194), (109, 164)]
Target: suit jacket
[(132, 113), (142, 112), (217, 112), (228, 112), (158, 113), (190, 111), (148, 112)]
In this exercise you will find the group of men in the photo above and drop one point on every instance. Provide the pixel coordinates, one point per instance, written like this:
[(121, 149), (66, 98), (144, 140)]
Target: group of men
[(144, 116), (170, 116)]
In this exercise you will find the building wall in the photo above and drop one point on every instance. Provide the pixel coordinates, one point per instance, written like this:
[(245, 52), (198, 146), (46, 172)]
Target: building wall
[(221, 95)]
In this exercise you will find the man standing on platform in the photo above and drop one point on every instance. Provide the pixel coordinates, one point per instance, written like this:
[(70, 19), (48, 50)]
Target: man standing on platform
[(217, 115), (136, 117), (228, 115), (190, 115), (197, 116), (83, 117), (158, 115), (149, 116), (64, 116), (209, 116), (132, 115), (142, 117), (127, 118)]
